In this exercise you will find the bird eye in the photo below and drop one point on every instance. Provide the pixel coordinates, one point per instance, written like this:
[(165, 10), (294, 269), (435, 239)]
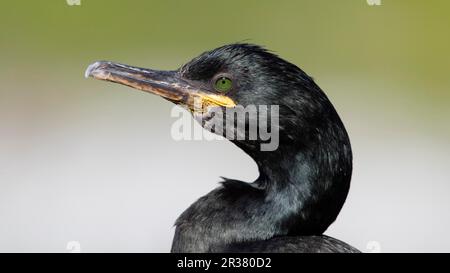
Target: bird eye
[(223, 84)]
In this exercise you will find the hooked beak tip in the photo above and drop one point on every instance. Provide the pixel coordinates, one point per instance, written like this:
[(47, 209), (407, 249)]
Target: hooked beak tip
[(91, 68)]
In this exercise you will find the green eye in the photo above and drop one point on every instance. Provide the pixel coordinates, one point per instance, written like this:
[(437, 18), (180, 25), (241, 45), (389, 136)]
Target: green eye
[(223, 84)]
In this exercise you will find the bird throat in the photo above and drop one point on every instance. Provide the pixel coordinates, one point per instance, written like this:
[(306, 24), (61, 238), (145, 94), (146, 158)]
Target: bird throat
[(300, 191)]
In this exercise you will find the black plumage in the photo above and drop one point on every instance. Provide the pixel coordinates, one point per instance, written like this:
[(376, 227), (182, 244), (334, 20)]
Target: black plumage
[(302, 185)]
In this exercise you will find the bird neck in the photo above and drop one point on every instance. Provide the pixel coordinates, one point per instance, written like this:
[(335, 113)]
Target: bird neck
[(300, 191), (310, 177)]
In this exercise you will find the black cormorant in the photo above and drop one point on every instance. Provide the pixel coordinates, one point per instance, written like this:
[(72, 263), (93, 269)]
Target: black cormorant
[(302, 184)]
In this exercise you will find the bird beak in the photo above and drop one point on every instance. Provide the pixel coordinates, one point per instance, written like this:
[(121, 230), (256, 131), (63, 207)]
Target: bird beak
[(167, 84)]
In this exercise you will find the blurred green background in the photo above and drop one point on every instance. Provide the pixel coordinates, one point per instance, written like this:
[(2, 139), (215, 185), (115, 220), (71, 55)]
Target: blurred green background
[(398, 50), (386, 69)]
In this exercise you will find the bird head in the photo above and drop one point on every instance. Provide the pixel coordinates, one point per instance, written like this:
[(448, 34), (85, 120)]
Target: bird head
[(312, 159), (238, 77)]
